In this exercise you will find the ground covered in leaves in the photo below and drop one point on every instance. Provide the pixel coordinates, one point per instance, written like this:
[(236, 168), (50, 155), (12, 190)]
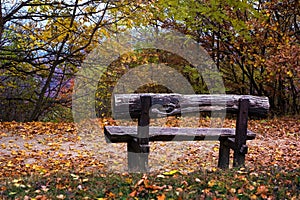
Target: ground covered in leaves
[(64, 160)]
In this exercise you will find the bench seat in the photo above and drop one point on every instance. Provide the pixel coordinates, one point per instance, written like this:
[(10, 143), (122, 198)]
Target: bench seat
[(121, 134), (144, 107)]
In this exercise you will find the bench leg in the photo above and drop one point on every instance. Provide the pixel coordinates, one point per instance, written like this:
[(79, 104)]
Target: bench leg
[(224, 153), (239, 159), (137, 157), (240, 149), (138, 149), (239, 156)]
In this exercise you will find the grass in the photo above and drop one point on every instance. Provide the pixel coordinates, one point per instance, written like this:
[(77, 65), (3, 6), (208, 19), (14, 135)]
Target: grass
[(244, 183)]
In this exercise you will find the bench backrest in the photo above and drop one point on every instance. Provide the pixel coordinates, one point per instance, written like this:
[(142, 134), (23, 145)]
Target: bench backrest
[(129, 105)]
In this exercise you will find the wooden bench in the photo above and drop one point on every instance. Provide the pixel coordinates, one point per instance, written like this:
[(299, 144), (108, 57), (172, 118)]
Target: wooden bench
[(146, 106)]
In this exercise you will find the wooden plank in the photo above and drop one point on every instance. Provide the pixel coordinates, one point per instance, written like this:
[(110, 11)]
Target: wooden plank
[(128, 105), (120, 134)]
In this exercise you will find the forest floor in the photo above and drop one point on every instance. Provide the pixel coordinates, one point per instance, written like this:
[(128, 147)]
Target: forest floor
[(49, 148)]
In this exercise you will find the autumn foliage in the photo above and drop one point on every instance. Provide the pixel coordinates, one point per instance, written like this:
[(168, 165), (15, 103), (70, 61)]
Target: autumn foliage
[(255, 45)]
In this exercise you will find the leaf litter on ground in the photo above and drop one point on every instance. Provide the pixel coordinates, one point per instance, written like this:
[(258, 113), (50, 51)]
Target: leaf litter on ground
[(46, 149)]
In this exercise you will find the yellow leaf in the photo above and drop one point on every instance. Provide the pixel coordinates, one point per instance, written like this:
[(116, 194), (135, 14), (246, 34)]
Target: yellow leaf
[(171, 173), (68, 164), (85, 180), (3, 146), (61, 196), (27, 145), (75, 177), (216, 148), (128, 180), (232, 190), (16, 180), (13, 152), (32, 37), (290, 74), (10, 164), (211, 183), (2, 134)]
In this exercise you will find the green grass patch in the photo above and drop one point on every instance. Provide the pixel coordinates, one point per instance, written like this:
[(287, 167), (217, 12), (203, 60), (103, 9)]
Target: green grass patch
[(244, 183)]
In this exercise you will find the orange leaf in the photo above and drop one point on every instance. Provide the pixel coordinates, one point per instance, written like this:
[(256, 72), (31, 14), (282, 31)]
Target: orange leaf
[(262, 189), (154, 187), (133, 193), (161, 197)]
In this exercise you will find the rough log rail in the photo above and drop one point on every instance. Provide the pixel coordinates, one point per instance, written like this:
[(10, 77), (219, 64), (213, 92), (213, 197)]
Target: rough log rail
[(128, 105)]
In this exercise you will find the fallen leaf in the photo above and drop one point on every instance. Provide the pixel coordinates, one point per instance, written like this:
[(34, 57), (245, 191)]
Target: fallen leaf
[(133, 193), (161, 197), (262, 190), (171, 173)]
